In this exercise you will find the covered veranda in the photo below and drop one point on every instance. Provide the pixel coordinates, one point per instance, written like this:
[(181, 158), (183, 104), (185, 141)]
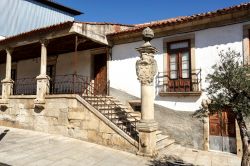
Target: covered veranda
[(66, 58)]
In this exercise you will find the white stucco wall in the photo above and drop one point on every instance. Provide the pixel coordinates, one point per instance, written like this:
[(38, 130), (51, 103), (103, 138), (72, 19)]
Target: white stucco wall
[(31, 68), (208, 43)]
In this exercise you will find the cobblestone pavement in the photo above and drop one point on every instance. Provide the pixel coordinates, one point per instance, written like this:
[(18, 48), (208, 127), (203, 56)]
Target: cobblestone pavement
[(23, 147)]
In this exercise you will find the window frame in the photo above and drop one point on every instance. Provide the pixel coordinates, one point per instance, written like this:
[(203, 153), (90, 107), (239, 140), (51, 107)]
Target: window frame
[(178, 53)]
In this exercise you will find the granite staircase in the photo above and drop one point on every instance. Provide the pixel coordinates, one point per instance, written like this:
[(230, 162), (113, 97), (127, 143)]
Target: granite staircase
[(124, 117), (116, 112)]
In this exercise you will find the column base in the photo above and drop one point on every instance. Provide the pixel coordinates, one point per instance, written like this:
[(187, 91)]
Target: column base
[(147, 138), (42, 90), (7, 88)]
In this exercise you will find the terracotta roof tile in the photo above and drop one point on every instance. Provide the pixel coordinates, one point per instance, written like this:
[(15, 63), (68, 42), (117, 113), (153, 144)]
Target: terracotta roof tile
[(53, 28), (183, 19)]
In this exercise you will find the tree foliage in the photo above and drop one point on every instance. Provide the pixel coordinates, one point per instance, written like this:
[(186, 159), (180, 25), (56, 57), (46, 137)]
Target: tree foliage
[(228, 86)]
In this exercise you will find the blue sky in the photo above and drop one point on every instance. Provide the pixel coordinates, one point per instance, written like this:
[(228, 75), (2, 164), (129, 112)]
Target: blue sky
[(141, 11)]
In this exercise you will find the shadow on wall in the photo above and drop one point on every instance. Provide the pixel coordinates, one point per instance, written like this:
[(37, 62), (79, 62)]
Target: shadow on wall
[(219, 36), (128, 51), (188, 99), (181, 126), (2, 135), (169, 161), (2, 164)]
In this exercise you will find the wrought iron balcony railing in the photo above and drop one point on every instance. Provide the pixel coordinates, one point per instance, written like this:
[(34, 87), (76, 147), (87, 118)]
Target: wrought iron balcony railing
[(193, 84), (24, 86), (68, 84)]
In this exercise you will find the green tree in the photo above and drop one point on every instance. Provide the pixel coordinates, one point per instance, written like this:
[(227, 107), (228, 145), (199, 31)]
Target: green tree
[(229, 87)]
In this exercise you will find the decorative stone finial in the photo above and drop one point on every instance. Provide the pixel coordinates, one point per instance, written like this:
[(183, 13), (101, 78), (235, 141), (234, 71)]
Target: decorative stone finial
[(148, 35), (146, 66)]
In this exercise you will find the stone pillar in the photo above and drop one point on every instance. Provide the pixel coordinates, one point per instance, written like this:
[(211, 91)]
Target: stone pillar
[(146, 69), (42, 79), (7, 83), (205, 103)]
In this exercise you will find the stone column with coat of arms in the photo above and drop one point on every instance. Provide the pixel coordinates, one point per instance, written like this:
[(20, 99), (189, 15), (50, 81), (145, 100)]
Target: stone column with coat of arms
[(146, 69)]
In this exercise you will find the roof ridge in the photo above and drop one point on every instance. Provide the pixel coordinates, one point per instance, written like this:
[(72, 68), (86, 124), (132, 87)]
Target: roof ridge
[(104, 23), (181, 19), (198, 14)]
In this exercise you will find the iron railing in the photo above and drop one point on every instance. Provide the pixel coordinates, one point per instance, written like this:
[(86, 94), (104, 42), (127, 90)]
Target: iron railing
[(24, 86), (68, 84), (96, 95), (192, 84), (114, 112), (90, 92)]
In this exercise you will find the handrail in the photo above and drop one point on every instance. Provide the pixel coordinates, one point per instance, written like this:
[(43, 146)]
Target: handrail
[(193, 84), (105, 99), (77, 84)]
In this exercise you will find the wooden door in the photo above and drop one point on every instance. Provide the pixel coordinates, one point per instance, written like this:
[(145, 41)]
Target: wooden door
[(222, 132), (100, 74)]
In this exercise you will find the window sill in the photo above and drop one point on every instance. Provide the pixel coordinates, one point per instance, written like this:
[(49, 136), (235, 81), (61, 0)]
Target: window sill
[(179, 94)]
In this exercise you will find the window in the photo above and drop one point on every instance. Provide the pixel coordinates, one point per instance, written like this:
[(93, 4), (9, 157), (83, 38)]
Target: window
[(179, 66)]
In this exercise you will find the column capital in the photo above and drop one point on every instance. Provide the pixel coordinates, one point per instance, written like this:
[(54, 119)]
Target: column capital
[(9, 50), (44, 42)]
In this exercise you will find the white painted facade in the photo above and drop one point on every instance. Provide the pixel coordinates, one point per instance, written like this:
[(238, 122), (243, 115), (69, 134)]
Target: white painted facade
[(208, 43)]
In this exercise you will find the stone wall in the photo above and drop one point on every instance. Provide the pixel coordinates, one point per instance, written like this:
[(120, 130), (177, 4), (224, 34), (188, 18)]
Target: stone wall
[(66, 116)]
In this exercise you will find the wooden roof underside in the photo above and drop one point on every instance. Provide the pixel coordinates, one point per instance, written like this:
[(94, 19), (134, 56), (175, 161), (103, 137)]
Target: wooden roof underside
[(56, 46)]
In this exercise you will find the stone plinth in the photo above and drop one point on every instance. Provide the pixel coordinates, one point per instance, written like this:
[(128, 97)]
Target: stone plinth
[(7, 90), (147, 138), (42, 90)]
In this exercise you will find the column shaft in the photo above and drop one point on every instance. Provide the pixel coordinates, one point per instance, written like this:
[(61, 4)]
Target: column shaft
[(43, 59), (147, 102), (7, 83), (42, 79), (8, 64)]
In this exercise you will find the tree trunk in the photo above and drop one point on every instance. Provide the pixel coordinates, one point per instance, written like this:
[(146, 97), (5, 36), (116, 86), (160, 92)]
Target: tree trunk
[(245, 161)]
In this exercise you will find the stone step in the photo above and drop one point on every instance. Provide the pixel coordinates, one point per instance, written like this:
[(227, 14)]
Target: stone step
[(96, 97), (160, 137), (158, 132), (123, 122), (113, 107), (163, 141)]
